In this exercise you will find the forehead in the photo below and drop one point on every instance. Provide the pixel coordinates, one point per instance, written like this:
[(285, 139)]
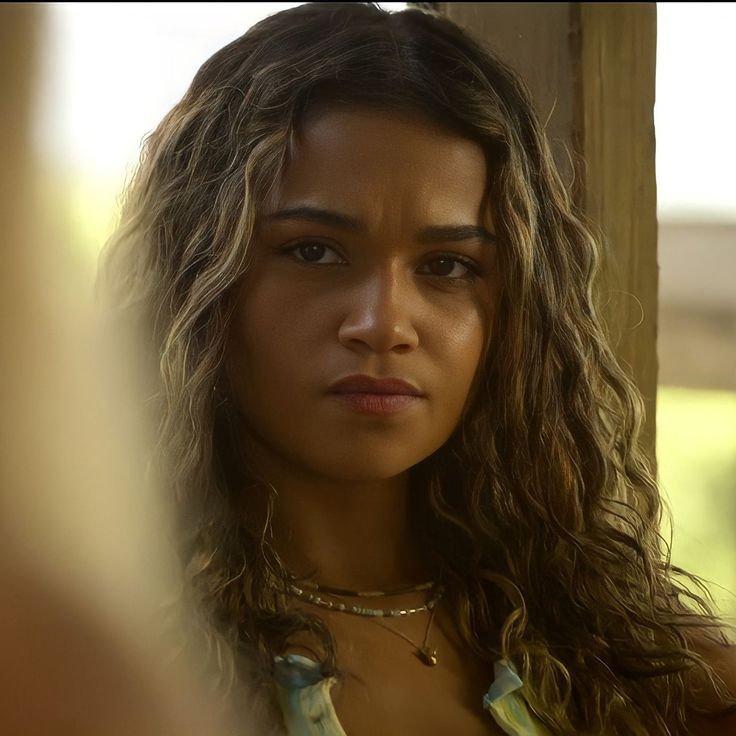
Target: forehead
[(375, 160)]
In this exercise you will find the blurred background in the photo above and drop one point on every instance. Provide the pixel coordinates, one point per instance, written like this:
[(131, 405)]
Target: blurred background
[(694, 119), (112, 70)]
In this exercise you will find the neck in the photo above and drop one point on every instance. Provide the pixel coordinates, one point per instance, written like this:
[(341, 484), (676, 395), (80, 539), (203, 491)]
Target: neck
[(349, 534)]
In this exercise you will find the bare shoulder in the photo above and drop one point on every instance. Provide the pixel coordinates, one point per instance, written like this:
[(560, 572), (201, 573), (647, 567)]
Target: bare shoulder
[(722, 659)]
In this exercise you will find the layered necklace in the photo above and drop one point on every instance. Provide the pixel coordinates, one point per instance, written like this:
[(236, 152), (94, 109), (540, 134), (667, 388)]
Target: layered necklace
[(313, 593)]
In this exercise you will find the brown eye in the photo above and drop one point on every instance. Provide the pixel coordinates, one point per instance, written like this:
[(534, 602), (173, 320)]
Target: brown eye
[(313, 252), (452, 267), (442, 266)]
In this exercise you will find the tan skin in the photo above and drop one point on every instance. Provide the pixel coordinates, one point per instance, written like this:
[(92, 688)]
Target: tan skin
[(377, 301)]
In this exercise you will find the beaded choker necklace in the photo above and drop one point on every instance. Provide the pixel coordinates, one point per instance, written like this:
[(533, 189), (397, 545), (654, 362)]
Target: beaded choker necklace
[(361, 610)]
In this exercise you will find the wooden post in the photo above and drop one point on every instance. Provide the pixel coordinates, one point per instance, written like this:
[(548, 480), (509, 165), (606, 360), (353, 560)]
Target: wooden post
[(591, 70), (616, 121)]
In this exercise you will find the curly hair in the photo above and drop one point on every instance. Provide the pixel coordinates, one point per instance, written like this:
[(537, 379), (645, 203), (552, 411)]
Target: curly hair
[(541, 508)]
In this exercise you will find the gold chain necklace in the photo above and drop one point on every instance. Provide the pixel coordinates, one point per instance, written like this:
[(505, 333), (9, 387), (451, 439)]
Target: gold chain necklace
[(426, 653)]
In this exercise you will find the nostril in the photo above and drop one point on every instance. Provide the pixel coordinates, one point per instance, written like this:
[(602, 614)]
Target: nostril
[(380, 332)]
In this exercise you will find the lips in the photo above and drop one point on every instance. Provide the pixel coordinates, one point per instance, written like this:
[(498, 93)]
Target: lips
[(376, 397), (363, 384)]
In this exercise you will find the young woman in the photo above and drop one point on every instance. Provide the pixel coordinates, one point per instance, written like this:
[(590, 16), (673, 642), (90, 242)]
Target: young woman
[(407, 462)]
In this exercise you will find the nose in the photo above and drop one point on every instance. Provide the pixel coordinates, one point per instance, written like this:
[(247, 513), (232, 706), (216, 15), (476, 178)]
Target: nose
[(380, 313)]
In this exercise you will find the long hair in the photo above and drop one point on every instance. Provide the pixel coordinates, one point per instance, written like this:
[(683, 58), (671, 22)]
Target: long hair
[(541, 507)]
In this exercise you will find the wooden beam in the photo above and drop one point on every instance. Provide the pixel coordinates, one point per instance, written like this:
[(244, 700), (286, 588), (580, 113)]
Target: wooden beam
[(616, 108), (533, 39), (591, 70)]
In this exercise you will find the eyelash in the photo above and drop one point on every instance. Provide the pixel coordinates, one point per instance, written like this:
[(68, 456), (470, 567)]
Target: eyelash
[(474, 270)]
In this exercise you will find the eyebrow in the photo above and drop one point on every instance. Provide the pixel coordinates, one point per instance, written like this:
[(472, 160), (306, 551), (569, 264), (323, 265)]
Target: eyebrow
[(429, 234)]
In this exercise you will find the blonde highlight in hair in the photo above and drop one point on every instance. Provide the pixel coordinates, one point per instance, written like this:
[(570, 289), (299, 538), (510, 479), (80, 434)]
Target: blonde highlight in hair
[(541, 509)]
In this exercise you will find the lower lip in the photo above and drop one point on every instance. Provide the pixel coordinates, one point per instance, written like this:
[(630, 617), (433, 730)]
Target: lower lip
[(380, 404)]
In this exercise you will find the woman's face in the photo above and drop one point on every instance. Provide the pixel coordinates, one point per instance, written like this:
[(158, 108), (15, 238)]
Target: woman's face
[(398, 281)]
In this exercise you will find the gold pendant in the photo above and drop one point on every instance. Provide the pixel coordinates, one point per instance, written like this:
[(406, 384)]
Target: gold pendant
[(428, 656)]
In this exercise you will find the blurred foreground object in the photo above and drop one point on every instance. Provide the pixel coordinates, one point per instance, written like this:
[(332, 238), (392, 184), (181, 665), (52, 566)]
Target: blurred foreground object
[(85, 560)]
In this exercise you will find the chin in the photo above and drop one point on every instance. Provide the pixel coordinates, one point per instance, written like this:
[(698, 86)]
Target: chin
[(370, 466)]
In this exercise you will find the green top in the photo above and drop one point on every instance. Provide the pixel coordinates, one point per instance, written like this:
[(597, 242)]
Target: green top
[(304, 696)]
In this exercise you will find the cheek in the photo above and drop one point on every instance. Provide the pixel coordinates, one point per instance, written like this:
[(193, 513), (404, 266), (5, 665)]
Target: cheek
[(270, 343), (462, 336), (278, 307), (464, 347), (463, 343)]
